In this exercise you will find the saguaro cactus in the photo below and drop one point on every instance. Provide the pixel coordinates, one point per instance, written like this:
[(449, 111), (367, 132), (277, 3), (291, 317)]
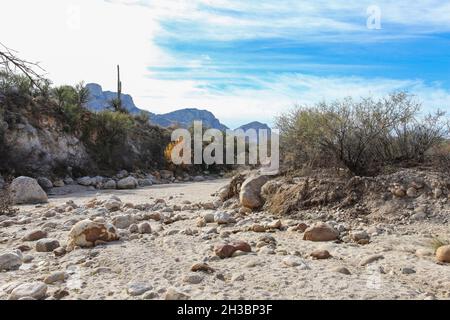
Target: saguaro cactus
[(119, 90)]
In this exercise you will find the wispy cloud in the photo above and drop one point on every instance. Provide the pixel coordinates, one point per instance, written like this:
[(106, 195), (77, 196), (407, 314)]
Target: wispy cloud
[(243, 60)]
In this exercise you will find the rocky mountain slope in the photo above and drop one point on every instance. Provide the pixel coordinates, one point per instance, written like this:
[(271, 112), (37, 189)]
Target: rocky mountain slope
[(99, 100)]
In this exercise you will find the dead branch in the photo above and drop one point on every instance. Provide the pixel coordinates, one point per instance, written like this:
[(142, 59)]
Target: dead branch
[(11, 63)]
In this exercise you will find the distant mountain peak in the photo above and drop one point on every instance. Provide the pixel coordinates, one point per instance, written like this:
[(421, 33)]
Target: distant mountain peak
[(99, 100)]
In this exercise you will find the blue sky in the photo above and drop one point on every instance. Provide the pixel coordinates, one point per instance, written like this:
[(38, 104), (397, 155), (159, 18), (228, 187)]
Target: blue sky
[(246, 60)]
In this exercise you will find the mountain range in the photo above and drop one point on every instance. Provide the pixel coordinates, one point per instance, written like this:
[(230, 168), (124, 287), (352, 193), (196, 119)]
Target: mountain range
[(99, 100)]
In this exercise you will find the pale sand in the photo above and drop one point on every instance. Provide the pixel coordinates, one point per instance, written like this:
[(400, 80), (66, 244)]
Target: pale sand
[(161, 260)]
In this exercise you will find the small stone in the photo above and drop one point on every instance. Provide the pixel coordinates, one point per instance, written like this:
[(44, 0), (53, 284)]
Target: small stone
[(302, 227), (27, 258), (224, 250), (35, 290), (201, 222), (209, 217), (202, 267), (173, 294), (342, 270), (222, 218), (258, 228), (293, 261), (47, 245), (239, 253), (123, 221), (443, 254), (320, 254), (59, 252), (55, 277), (399, 192), (112, 204), (241, 246), (34, 235), (411, 192), (192, 278), (237, 277), (133, 228), (145, 228), (138, 288), (60, 293), (371, 259), (149, 295), (437, 192), (320, 232), (274, 225), (360, 236), (408, 270)]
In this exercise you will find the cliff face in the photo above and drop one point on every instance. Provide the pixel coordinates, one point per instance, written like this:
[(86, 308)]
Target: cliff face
[(36, 141), (37, 144)]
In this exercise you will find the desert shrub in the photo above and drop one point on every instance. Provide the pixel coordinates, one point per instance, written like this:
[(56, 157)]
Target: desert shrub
[(105, 134), (64, 96), (142, 117), (15, 88), (361, 135), (6, 203)]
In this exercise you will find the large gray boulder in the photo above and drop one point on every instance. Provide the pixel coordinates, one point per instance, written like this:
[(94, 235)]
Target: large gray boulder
[(26, 190), (85, 181), (10, 261), (45, 183), (127, 183), (250, 195)]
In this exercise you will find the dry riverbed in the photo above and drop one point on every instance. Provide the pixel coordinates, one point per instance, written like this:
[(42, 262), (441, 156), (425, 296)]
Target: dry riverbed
[(155, 262)]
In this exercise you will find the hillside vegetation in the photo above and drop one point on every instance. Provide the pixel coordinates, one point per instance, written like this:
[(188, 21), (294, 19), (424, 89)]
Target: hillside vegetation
[(48, 130)]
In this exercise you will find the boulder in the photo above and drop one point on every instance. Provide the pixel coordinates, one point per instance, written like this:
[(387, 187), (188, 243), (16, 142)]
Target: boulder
[(242, 246), (34, 235), (166, 174), (85, 181), (10, 261), (61, 183), (320, 254), (224, 250), (110, 184), (27, 190), (47, 245), (250, 191), (145, 182), (222, 218), (443, 253), (144, 228), (45, 183), (35, 290), (173, 294), (87, 233), (112, 204), (123, 221), (224, 193), (320, 232), (57, 276), (199, 178), (127, 183)]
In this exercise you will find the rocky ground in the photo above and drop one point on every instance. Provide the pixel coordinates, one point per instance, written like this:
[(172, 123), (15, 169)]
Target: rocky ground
[(186, 241)]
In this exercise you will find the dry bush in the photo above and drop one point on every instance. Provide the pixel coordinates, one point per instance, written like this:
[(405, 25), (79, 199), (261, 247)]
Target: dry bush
[(362, 136), (6, 203)]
